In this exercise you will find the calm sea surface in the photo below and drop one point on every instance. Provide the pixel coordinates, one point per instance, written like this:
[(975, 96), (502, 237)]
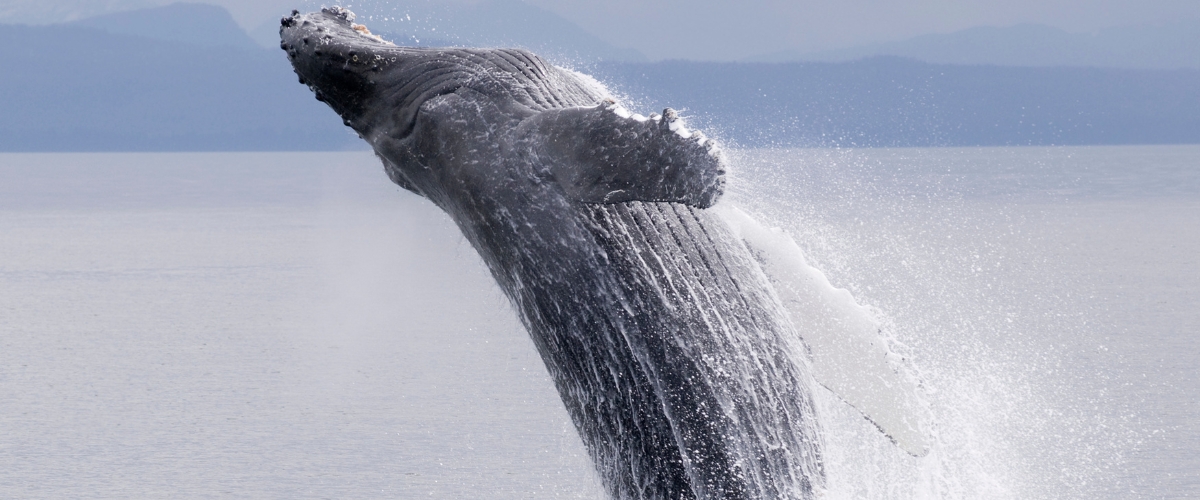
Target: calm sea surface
[(291, 325)]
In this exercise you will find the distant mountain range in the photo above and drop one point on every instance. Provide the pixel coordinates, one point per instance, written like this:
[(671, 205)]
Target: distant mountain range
[(197, 24), (186, 78), (891, 101), (46, 12), (1169, 46), (486, 23), (1172, 45), (77, 88)]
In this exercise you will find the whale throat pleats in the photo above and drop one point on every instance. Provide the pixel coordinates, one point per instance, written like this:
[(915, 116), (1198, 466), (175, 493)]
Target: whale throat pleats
[(728, 370)]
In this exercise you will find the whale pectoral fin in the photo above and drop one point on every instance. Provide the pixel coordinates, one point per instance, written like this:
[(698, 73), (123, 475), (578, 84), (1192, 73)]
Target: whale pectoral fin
[(604, 154), (850, 357)]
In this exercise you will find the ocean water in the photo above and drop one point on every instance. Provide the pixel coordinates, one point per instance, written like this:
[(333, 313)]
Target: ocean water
[(292, 325)]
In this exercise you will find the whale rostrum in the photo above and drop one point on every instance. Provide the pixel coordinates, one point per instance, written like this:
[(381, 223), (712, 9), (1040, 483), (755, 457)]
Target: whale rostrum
[(674, 356)]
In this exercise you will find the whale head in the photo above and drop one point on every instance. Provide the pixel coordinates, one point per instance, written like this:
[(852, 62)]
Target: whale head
[(463, 124), (339, 60)]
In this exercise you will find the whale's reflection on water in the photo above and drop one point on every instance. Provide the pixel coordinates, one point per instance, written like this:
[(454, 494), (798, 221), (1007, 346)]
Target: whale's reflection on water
[(294, 325)]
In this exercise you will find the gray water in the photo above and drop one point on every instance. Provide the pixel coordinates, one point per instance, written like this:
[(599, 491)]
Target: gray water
[(292, 325)]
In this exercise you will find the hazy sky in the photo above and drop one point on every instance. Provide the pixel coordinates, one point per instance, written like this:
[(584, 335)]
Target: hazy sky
[(729, 30), (723, 30)]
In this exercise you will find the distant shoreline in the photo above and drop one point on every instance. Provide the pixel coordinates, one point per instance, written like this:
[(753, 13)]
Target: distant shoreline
[(144, 94)]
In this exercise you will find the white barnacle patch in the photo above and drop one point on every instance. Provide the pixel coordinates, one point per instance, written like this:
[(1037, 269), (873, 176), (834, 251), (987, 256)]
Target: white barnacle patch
[(611, 104), (678, 127), (612, 195), (620, 111)]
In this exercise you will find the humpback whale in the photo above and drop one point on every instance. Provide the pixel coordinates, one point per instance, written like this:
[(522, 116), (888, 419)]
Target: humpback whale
[(673, 353)]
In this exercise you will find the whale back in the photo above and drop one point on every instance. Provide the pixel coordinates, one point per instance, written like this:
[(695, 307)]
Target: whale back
[(515, 76)]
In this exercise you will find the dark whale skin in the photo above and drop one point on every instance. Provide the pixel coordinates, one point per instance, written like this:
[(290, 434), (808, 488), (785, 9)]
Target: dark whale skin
[(665, 340)]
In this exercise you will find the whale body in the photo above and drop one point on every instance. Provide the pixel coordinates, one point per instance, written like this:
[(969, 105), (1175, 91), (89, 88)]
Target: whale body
[(677, 363)]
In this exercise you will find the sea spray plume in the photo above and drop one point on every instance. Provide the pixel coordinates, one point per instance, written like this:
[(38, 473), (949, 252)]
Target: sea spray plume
[(671, 351)]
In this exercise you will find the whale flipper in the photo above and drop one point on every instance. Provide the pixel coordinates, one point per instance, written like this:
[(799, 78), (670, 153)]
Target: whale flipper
[(604, 154), (849, 356)]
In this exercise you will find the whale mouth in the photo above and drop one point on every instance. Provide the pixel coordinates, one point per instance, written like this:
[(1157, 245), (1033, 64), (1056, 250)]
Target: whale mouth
[(336, 58)]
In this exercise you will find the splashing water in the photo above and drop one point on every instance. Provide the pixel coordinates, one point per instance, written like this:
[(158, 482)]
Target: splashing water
[(948, 248)]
